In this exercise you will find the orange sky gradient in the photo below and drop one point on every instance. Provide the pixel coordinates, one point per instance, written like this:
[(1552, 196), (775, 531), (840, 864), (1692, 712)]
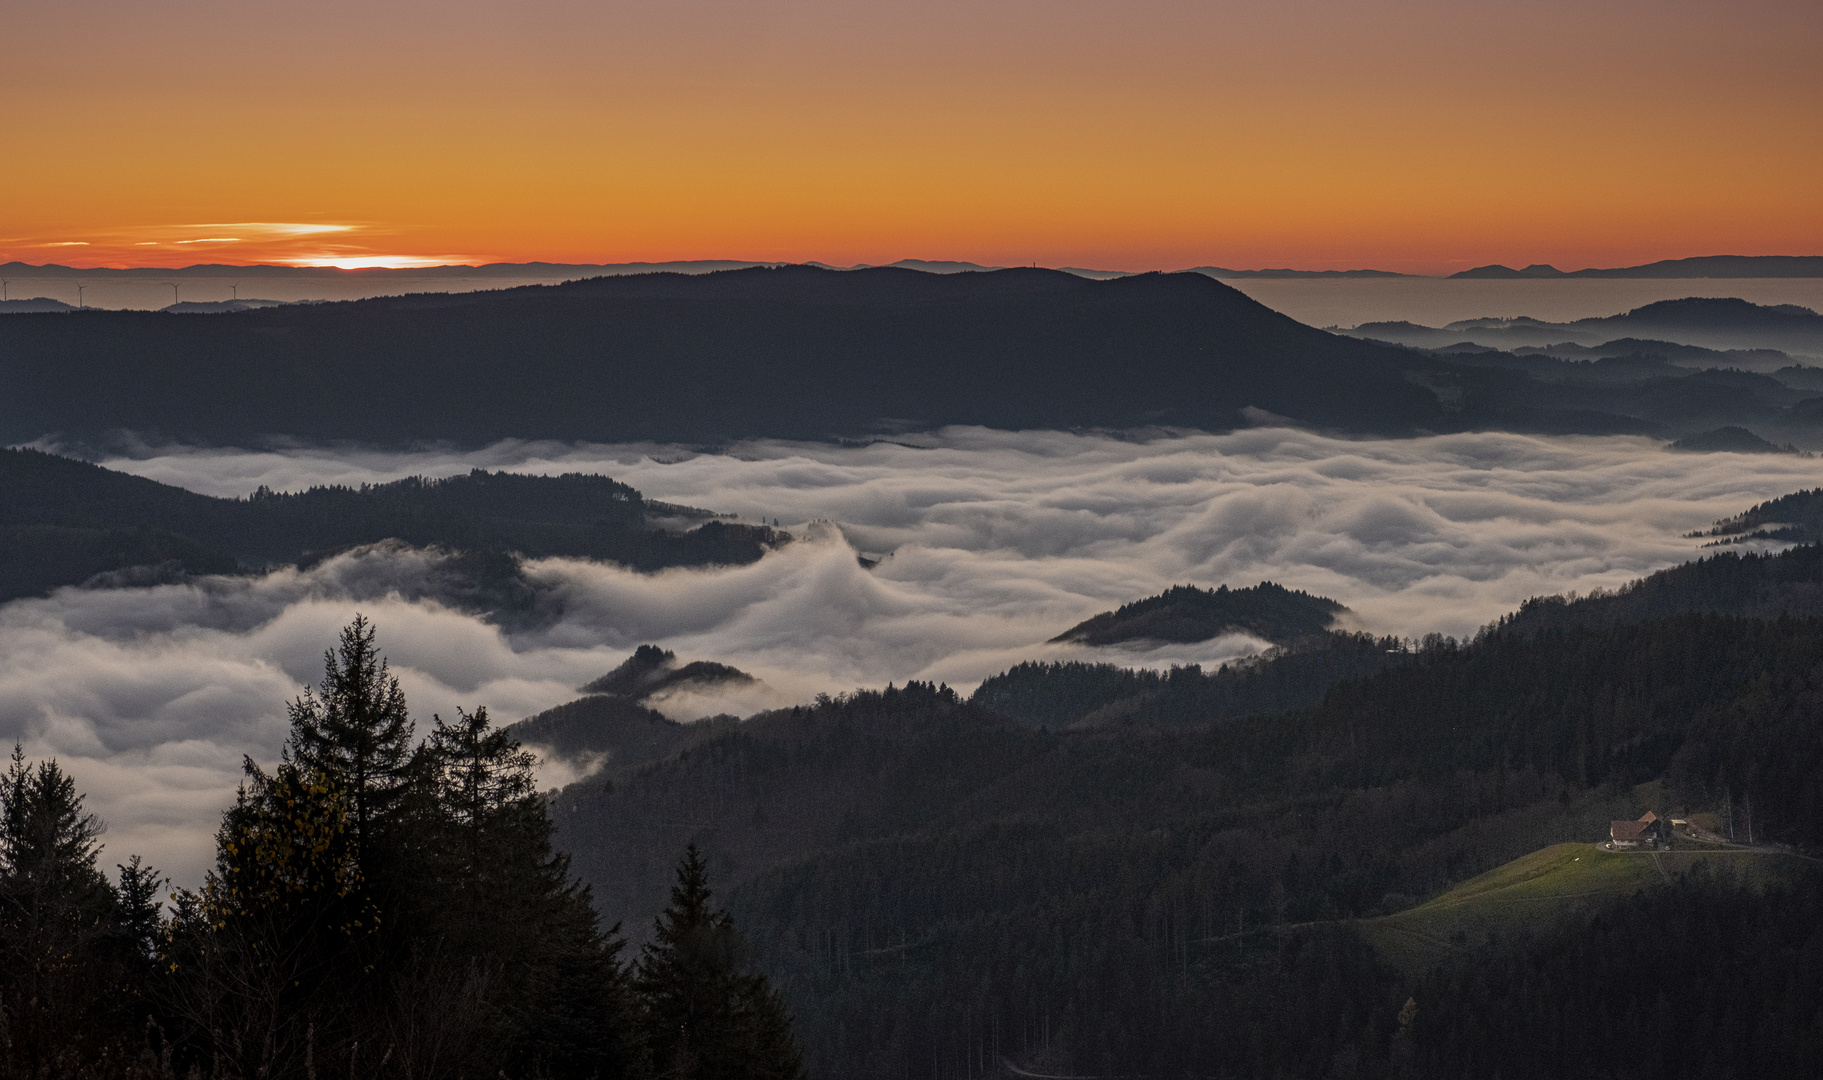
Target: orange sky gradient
[(1416, 135)]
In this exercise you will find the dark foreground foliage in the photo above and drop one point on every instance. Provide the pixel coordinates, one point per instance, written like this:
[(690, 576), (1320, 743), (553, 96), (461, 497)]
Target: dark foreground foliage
[(378, 907)]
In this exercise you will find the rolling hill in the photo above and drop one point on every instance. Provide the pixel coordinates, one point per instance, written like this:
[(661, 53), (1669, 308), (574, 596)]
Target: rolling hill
[(64, 521)]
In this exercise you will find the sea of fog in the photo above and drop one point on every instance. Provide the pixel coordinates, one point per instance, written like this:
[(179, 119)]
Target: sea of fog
[(1320, 302), (989, 544)]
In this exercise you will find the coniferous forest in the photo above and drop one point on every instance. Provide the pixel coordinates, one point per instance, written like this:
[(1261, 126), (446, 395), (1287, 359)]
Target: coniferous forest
[(379, 906), (1302, 865)]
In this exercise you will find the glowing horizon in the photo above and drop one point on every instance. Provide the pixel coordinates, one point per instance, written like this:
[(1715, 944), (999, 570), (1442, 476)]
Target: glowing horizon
[(1412, 135)]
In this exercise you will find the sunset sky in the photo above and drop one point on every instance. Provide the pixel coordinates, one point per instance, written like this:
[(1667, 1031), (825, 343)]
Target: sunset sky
[(1418, 135)]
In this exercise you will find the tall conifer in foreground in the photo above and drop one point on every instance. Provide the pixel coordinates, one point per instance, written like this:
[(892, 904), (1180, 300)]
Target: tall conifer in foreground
[(270, 955), (706, 1017), (355, 729), (67, 957), (499, 908)]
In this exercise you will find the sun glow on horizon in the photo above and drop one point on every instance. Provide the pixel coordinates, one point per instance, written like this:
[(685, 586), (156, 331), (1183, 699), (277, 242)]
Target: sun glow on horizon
[(373, 262), (1423, 136)]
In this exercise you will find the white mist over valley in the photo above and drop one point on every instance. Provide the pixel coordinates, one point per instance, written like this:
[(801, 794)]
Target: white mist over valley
[(988, 544)]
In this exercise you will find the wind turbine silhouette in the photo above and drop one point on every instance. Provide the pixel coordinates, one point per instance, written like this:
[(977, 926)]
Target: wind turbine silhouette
[(173, 285), (235, 289), (79, 304)]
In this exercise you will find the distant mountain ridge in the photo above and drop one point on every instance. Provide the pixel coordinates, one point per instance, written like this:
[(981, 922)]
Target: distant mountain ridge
[(794, 352), (1702, 266), (797, 352), (582, 270), (1704, 331)]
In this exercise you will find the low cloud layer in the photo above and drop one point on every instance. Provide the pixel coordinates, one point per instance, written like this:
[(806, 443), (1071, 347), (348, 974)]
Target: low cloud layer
[(990, 544)]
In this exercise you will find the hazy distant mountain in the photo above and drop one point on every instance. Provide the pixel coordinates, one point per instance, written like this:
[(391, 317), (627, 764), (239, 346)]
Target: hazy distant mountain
[(1711, 323), (1536, 270), (791, 352), (486, 270), (1223, 272), (218, 307), (1705, 266), (37, 303), (799, 352), (1731, 439)]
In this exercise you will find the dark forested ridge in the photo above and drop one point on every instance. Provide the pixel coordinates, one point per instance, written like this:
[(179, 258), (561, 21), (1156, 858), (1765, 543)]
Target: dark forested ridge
[(794, 352), (1751, 584), (1796, 517), (1167, 887), (652, 670), (806, 352), (1185, 613), (1076, 694), (64, 521)]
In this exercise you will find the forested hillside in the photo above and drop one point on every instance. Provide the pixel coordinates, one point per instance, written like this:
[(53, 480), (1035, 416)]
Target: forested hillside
[(939, 884), (1185, 613), (63, 521), (934, 887), (783, 352)]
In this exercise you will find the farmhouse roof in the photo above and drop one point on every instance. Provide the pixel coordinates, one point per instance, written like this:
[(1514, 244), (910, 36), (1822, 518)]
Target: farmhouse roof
[(1627, 830), (1648, 817)]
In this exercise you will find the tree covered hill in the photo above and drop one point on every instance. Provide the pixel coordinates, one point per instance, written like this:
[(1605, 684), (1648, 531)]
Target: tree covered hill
[(63, 521), (936, 883), (794, 352), (1185, 613), (1795, 517)]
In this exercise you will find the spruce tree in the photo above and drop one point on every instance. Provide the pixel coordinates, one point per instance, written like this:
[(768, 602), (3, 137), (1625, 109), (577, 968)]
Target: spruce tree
[(272, 958), (60, 957), (706, 1018), (355, 730), (500, 900)]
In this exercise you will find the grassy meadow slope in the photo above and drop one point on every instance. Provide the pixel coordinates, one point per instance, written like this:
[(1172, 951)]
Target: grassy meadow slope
[(1547, 888)]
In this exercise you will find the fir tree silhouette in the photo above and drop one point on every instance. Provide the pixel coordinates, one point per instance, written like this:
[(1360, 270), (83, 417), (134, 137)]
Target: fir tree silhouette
[(707, 1017)]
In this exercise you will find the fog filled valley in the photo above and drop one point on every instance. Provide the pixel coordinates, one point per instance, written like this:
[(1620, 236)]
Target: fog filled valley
[(1049, 678), (989, 545)]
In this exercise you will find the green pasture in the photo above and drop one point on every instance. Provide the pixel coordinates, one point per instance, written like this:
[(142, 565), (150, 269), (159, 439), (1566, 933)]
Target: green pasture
[(1534, 891)]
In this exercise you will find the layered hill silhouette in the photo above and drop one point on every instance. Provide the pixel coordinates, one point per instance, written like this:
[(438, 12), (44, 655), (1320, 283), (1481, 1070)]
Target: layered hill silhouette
[(63, 522), (1695, 331), (794, 352), (807, 353), (1702, 266)]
